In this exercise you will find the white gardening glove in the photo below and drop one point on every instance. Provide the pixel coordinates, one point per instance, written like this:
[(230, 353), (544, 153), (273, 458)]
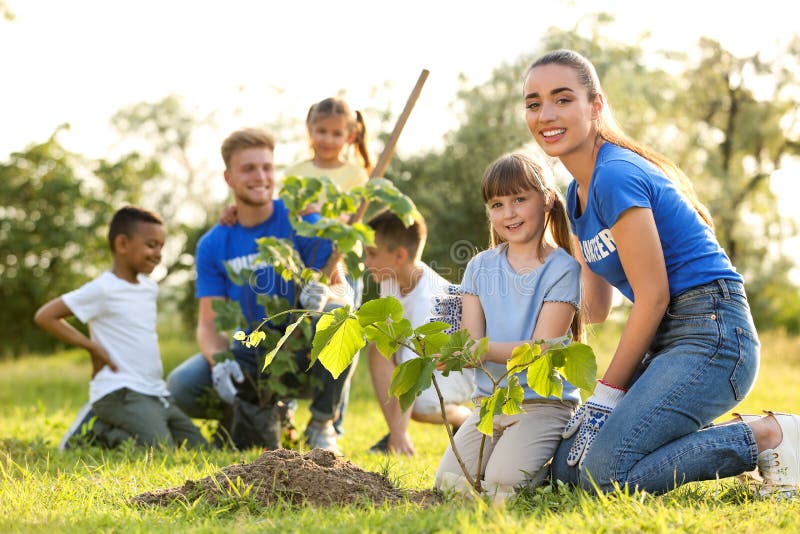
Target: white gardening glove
[(341, 295), (590, 418), (223, 374), (447, 308), (314, 296)]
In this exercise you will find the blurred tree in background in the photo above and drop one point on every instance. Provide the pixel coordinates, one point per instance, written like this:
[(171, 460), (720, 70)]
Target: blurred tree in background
[(700, 111), (729, 122), (52, 237)]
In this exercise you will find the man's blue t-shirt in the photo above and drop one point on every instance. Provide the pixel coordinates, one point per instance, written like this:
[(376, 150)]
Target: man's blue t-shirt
[(622, 180), (236, 246)]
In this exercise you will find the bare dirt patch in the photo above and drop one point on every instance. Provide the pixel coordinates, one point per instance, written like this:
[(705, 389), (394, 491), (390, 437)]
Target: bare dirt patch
[(317, 478)]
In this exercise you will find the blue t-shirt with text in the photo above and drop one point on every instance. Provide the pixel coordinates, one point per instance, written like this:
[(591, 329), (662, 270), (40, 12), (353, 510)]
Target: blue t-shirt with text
[(236, 246), (622, 180)]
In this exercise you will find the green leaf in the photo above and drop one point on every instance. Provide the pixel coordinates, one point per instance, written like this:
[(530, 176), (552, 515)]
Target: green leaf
[(456, 352), (522, 356), (384, 192), (515, 394), (432, 343), (382, 309), (460, 342), (388, 336), (298, 192), (338, 339), (491, 406), (229, 315), (405, 376), (405, 209), (289, 329), (410, 378), (480, 349), (580, 365), (283, 363), (273, 304), (354, 264), (281, 255), (433, 327), (365, 233), (307, 327), (385, 344), (400, 330), (543, 379), (306, 275)]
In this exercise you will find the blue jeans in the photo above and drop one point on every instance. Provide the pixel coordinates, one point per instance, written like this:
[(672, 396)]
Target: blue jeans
[(702, 362), (190, 383)]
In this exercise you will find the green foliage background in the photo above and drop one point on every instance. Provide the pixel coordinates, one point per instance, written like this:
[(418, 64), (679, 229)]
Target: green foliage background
[(705, 108)]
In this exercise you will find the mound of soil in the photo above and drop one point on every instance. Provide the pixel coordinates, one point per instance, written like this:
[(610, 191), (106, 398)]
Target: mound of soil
[(317, 478)]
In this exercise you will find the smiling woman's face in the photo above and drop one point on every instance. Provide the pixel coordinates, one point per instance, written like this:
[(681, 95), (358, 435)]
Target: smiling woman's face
[(558, 111)]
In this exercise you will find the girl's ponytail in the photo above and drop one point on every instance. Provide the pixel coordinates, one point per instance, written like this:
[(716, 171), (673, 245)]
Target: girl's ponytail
[(360, 140), (560, 230)]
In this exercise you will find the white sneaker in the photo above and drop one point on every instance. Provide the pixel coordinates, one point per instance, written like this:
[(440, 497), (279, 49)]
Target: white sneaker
[(780, 467), (322, 435), (749, 476)]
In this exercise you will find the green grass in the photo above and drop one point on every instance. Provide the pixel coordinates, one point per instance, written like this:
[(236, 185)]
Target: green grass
[(42, 489)]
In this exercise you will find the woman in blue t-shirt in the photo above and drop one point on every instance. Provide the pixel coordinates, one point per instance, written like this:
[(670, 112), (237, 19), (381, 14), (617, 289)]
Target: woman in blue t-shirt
[(689, 351)]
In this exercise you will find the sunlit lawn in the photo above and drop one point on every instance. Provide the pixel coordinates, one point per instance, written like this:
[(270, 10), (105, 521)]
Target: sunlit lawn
[(46, 490)]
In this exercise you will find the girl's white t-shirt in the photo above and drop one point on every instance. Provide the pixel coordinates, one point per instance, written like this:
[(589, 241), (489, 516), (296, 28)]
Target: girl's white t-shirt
[(122, 319)]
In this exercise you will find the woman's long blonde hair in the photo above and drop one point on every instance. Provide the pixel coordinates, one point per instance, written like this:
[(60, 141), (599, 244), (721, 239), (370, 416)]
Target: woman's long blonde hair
[(516, 173)]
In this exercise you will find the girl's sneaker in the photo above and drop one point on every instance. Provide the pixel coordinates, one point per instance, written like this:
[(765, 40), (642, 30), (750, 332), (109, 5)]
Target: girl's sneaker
[(780, 467)]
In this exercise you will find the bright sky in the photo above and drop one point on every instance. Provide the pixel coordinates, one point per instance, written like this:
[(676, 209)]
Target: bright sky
[(81, 61), (259, 62)]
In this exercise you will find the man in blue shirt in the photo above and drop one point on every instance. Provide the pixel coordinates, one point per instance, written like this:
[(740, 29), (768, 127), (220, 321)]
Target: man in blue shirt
[(249, 172)]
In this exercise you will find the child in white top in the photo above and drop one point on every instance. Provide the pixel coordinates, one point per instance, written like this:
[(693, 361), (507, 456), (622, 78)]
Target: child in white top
[(394, 262), (127, 390)]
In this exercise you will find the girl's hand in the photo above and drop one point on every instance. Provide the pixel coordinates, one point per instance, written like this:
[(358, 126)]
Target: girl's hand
[(400, 443), (229, 216)]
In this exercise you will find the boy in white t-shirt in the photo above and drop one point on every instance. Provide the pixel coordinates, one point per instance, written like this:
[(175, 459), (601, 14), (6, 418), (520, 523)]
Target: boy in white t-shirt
[(127, 391), (394, 262)]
